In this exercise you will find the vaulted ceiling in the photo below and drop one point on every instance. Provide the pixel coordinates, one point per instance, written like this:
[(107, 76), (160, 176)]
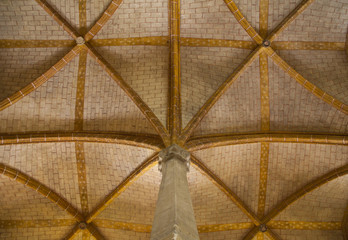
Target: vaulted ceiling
[(91, 91)]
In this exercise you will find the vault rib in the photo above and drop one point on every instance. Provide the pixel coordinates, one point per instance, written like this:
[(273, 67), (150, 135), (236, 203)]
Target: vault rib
[(11, 43), (283, 45)]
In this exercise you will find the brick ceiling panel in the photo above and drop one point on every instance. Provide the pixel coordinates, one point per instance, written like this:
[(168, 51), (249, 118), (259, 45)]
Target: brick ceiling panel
[(251, 11), (107, 165), (210, 204), (136, 18), (238, 109), (278, 10), (203, 70), (52, 233), (294, 108), (137, 203), (309, 234), (68, 9), (26, 19), (123, 234), (53, 164), (94, 10), (238, 166), (233, 234), (145, 69), (323, 20), (50, 107), (33, 206), (209, 19), (324, 204), (20, 66), (326, 69), (292, 165), (107, 107)]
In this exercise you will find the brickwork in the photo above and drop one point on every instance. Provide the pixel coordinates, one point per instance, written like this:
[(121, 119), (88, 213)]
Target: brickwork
[(69, 10), (298, 164), (238, 167), (25, 19), (325, 69), (50, 107), (294, 108), (209, 19), (278, 10), (53, 164), (210, 205), (33, 206), (137, 203), (19, 67), (322, 21), (251, 11), (225, 235), (107, 107), (107, 165), (47, 233), (124, 235), (326, 203), (203, 70), (94, 10), (309, 234), (229, 112), (145, 69), (137, 19)]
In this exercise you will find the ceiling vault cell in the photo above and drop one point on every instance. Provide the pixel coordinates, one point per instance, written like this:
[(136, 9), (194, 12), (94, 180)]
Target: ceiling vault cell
[(40, 188), (174, 111), (40, 80), (139, 140)]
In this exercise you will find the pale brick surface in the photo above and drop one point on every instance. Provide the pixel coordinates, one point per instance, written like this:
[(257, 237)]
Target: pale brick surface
[(323, 20), (21, 66), (251, 11), (209, 19), (224, 235), (123, 234), (326, 203), (294, 108), (326, 69), (47, 233), (107, 165), (137, 19), (239, 109), (203, 70), (145, 69), (137, 203), (310, 234), (26, 19), (278, 10), (107, 107), (94, 10), (210, 204), (49, 107), (53, 164), (33, 206), (68, 9), (238, 166), (291, 166)]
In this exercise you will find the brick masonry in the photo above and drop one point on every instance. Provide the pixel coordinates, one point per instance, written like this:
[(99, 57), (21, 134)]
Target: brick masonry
[(50, 107), (294, 108), (224, 235), (94, 10), (124, 235), (69, 10), (310, 234), (278, 10)]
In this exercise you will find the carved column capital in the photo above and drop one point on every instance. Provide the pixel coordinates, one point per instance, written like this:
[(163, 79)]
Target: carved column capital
[(174, 152)]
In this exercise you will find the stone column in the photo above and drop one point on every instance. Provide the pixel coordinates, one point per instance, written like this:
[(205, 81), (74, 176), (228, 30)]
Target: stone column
[(174, 217)]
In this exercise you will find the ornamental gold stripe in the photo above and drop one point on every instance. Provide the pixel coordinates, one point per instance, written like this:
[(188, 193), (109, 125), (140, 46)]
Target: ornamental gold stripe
[(205, 42), (9, 43), (81, 173), (122, 225), (283, 45), (264, 88), (80, 91), (263, 179), (305, 225), (224, 227), (7, 224), (264, 5), (260, 236), (82, 17), (154, 41)]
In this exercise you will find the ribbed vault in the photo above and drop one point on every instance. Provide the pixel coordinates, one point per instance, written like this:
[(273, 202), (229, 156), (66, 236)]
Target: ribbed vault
[(93, 90)]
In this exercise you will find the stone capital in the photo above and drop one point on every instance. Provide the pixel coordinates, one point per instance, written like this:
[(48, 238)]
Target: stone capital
[(174, 151)]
